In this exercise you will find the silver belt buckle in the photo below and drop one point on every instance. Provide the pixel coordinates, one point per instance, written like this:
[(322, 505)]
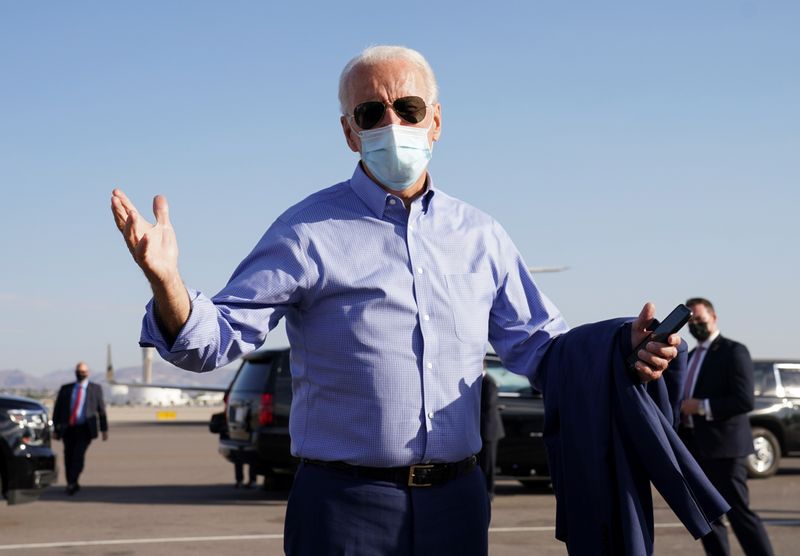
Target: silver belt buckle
[(412, 476)]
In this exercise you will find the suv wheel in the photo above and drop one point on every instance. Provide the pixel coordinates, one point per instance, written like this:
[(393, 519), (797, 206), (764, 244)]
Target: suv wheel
[(764, 462)]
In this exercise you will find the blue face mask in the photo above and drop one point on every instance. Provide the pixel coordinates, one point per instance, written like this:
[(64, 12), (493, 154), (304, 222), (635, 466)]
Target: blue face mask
[(396, 155)]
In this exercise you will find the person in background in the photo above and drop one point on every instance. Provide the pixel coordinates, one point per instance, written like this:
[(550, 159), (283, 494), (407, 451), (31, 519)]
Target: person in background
[(491, 430), (79, 415), (717, 395)]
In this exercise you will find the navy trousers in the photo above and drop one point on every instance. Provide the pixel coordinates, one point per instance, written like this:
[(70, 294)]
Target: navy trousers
[(333, 513), (76, 441)]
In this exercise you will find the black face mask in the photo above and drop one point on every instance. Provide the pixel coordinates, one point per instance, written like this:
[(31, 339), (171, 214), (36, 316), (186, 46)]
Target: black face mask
[(80, 376), (699, 330)]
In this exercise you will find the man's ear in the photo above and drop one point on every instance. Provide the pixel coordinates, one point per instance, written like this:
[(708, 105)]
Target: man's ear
[(350, 135), (437, 122)]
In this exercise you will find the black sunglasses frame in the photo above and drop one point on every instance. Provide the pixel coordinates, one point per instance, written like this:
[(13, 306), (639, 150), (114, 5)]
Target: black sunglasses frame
[(412, 109)]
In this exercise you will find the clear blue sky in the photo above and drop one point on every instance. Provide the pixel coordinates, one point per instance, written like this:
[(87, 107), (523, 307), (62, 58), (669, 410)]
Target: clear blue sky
[(654, 147)]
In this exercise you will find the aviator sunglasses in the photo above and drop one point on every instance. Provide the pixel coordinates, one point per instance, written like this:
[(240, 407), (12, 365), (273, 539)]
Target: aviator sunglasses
[(411, 109)]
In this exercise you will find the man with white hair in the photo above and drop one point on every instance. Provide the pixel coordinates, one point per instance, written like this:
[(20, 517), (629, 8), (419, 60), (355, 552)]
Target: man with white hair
[(390, 289)]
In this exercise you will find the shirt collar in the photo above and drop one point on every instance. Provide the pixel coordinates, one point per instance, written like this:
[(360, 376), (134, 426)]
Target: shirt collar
[(375, 197)]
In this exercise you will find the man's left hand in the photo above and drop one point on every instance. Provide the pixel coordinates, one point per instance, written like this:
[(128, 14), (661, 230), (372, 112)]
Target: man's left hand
[(691, 406), (655, 356)]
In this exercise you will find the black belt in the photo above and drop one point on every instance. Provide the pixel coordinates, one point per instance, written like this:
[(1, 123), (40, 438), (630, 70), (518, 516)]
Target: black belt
[(420, 475)]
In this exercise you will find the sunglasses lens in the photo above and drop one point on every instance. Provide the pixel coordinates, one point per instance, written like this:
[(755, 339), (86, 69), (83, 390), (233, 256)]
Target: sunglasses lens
[(367, 114), (411, 109)]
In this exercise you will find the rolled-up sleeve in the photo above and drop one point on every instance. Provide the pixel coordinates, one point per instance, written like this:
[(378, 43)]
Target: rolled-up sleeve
[(269, 282)]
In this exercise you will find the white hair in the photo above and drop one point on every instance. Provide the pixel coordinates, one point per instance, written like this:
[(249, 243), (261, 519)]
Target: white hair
[(382, 53)]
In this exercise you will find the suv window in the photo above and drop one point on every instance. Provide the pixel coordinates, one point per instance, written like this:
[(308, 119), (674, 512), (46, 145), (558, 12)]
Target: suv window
[(253, 376), (283, 381), (790, 380), (508, 382), (764, 379)]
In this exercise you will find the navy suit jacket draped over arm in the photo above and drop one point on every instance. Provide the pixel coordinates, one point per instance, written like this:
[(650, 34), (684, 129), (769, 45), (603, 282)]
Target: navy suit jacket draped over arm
[(607, 439)]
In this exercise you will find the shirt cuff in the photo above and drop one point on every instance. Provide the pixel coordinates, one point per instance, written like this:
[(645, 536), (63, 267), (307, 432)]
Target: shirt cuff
[(191, 336), (707, 407)]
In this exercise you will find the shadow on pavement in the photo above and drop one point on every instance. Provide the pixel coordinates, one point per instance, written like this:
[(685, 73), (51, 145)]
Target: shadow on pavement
[(170, 494), (513, 487)]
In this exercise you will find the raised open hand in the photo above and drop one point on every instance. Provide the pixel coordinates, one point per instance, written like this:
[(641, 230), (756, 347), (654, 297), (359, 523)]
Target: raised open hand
[(154, 246), (155, 249)]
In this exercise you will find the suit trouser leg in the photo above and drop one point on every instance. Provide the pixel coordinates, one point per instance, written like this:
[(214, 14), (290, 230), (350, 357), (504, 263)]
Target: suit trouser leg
[(238, 470), (487, 460), (76, 442), (746, 525), (729, 476), (69, 455)]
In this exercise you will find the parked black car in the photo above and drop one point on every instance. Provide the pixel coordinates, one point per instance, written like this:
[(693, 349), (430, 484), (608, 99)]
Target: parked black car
[(27, 464), (254, 429), (521, 454), (775, 418)]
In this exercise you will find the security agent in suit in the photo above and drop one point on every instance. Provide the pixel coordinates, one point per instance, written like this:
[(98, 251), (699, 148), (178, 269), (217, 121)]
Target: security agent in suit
[(491, 430), (78, 412), (718, 394)]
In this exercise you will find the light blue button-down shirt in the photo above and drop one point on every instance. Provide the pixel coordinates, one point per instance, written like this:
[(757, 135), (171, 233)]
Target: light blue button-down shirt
[(387, 311)]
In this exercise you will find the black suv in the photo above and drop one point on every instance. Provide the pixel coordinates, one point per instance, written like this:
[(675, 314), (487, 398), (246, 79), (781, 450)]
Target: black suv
[(775, 419), (521, 454), (27, 464), (254, 428)]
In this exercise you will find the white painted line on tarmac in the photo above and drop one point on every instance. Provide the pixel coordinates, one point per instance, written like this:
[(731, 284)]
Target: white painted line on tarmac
[(69, 544), (552, 528), (521, 529), (780, 521), (275, 536)]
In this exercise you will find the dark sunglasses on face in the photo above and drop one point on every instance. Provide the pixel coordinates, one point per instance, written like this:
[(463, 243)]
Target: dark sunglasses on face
[(411, 109)]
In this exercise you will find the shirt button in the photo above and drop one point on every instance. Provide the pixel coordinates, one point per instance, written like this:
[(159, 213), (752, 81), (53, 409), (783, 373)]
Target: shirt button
[(392, 202), (429, 365), (419, 270), (411, 227), (426, 317), (430, 415)]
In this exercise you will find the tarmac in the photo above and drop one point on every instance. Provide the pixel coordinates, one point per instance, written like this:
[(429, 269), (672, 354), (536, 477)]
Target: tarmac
[(159, 486)]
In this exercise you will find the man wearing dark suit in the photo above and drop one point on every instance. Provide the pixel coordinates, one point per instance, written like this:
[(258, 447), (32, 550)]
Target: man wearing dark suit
[(717, 396), (491, 430), (78, 414)]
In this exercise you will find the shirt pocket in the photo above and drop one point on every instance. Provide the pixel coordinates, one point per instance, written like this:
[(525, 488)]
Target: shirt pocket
[(470, 302)]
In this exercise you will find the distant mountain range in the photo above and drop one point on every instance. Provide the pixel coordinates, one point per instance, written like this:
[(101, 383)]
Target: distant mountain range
[(163, 373)]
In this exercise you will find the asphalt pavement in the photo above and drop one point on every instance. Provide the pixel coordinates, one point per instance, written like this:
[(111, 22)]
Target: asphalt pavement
[(159, 486)]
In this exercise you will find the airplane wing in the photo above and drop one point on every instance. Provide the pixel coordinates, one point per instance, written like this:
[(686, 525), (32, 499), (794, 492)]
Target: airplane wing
[(540, 269), (110, 379), (171, 386)]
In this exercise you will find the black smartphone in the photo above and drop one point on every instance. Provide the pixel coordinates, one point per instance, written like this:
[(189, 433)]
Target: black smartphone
[(679, 316)]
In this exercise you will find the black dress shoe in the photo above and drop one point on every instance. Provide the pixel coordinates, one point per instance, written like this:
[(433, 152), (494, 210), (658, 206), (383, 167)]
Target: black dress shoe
[(72, 489)]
